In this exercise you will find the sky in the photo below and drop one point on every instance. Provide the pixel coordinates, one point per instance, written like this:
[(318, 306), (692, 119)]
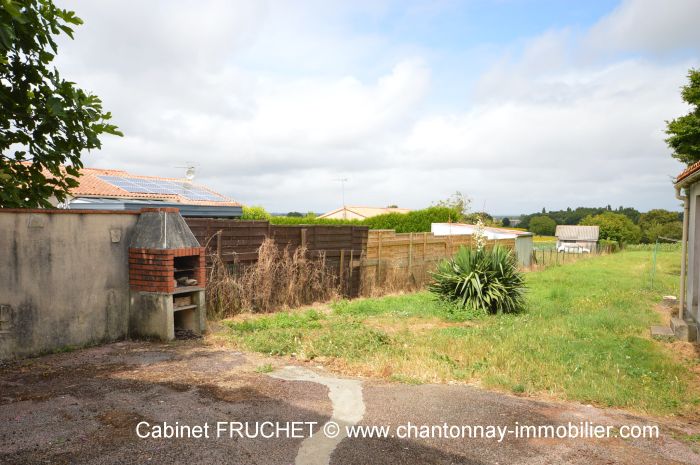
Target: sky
[(517, 104)]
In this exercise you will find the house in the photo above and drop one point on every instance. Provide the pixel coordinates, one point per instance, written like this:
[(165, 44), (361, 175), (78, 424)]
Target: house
[(685, 324), (523, 239), (106, 189), (585, 237), (360, 213)]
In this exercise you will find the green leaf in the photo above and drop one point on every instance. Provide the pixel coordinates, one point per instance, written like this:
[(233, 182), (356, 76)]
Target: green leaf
[(11, 8), (7, 36)]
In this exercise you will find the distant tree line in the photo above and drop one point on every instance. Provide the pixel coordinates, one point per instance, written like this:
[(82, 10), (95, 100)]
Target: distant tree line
[(624, 224)]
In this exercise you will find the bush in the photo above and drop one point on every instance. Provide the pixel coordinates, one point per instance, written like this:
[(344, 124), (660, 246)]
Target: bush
[(615, 227), (482, 279), (542, 225), (295, 220), (279, 279), (415, 221), (255, 212), (610, 246)]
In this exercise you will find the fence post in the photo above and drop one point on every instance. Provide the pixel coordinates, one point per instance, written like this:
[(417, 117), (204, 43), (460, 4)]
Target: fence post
[(410, 253), (303, 237), (342, 268), (379, 257), (425, 244)]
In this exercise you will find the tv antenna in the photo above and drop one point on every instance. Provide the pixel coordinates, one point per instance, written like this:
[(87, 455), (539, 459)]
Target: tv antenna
[(190, 170), (342, 182)]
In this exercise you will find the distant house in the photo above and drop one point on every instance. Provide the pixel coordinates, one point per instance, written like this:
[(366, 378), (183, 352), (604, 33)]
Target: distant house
[(577, 236), (523, 239), (360, 213), (104, 189)]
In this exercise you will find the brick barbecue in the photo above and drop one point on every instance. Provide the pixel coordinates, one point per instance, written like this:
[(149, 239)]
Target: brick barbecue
[(167, 276)]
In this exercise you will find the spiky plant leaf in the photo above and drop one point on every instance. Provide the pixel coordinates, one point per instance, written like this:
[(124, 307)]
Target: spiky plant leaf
[(482, 280)]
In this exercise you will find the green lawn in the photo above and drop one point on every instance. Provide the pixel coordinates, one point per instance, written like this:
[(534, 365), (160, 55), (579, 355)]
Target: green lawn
[(584, 337)]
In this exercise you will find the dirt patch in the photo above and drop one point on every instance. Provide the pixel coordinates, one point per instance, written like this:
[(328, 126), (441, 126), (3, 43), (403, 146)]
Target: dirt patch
[(666, 313), (120, 421), (413, 325)]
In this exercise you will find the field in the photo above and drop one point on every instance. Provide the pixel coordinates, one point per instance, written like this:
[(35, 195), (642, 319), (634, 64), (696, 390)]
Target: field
[(583, 337)]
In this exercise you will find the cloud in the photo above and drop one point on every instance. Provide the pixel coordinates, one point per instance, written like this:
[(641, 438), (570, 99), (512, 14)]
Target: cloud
[(648, 25), (274, 101)]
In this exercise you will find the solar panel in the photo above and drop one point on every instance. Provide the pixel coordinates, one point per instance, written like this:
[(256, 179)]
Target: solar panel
[(155, 186)]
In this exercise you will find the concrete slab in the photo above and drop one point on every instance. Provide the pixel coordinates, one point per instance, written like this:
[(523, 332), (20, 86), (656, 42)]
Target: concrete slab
[(670, 301), (680, 329), (662, 332), (85, 406)]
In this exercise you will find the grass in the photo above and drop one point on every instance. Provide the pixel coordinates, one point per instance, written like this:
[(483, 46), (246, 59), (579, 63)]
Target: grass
[(583, 337), (265, 368)]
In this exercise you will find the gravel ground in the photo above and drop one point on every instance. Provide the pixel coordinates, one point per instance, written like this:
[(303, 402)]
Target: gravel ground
[(83, 407)]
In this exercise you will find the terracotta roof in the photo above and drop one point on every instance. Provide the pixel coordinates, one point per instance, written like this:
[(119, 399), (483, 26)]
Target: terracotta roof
[(366, 212), (91, 185), (577, 233), (688, 171)]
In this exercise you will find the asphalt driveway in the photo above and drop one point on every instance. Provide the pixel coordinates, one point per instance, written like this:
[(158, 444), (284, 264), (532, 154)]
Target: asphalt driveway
[(85, 406)]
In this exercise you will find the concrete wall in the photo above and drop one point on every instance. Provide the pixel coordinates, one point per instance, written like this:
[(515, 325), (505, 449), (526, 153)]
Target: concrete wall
[(63, 279), (523, 250)]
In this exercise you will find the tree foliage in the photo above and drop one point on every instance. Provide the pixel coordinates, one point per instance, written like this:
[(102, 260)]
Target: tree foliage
[(459, 203), (615, 227), (255, 212), (542, 225), (414, 221), (684, 131), (660, 223), (46, 122), (574, 216)]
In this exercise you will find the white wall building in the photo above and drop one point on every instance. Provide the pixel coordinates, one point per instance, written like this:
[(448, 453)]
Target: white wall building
[(523, 239)]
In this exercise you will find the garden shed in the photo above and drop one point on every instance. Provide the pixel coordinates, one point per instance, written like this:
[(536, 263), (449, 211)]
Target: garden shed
[(573, 236)]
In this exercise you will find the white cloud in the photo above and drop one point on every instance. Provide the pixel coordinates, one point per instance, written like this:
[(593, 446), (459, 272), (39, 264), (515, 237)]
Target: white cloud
[(648, 25), (274, 102)]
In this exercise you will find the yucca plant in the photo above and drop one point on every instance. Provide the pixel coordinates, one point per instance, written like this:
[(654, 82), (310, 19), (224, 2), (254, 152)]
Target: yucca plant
[(481, 279)]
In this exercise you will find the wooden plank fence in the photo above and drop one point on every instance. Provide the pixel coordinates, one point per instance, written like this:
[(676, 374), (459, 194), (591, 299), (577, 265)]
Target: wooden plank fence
[(236, 243), (365, 262), (403, 261)]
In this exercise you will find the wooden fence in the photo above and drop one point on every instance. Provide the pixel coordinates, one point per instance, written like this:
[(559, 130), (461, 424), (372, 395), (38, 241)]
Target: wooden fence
[(404, 261), (365, 262), (236, 243)]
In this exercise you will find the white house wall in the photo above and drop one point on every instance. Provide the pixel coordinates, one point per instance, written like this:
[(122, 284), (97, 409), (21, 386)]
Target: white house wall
[(693, 271)]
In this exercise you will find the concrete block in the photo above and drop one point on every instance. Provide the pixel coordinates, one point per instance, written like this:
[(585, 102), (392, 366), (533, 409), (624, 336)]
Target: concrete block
[(693, 331), (680, 329), (670, 301), (662, 332)]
